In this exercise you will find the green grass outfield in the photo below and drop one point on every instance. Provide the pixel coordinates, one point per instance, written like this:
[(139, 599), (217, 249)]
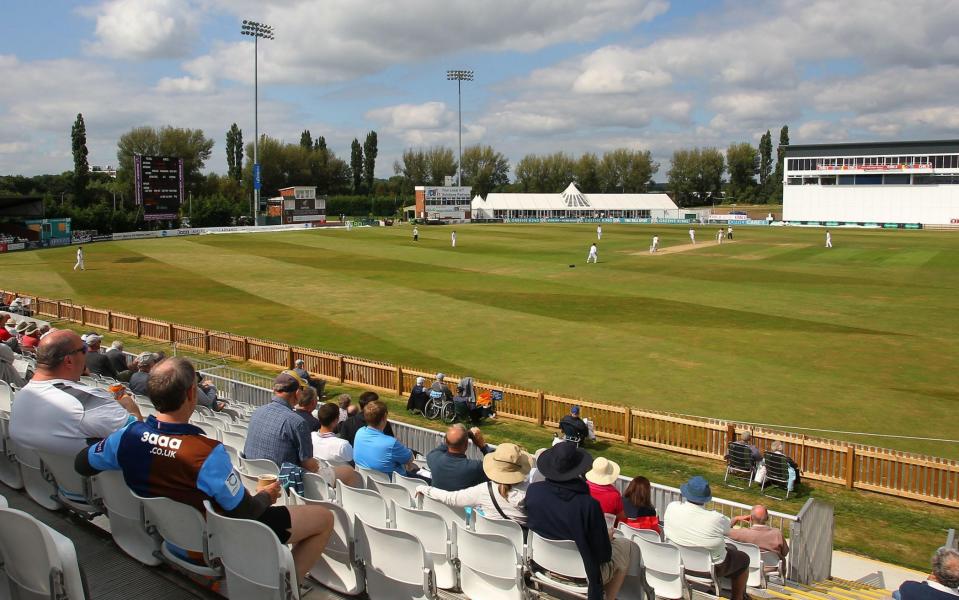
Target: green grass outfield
[(771, 328)]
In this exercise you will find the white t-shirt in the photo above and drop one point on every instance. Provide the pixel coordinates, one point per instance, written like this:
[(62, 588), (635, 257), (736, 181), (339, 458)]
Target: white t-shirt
[(63, 417), (331, 448), (689, 524)]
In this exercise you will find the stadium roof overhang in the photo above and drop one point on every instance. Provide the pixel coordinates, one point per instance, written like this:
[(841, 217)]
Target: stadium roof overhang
[(873, 148), (21, 206)]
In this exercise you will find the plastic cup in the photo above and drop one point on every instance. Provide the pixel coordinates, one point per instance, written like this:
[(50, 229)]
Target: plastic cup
[(263, 481)]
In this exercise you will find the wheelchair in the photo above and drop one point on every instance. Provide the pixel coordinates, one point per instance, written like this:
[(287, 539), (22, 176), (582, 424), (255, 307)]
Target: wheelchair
[(439, 406)]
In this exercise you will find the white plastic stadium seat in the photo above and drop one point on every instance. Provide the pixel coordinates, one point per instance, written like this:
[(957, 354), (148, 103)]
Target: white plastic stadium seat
[(700, 561), (126, 518), (507, 528), (183, 527), (42, 491), (256, 564), (558, 557), (73, 490), (397, 566), (366, 504), (368, 474), (410, 483), (392, 491), (664, 567), (648, 534), (337, 568), (6, 396), (490, 567), (37, 561), (774, 565), (233, 438), (438, 539), (757, 576), (9, 467), (452, 516)]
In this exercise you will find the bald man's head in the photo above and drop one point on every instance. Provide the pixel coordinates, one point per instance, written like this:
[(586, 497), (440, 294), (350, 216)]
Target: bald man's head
[(61, 354), (759, 515), (170, 384), (457, 438)]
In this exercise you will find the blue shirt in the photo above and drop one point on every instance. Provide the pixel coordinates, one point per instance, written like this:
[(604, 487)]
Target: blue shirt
[(277, 433), (172, 460), (374, 449)]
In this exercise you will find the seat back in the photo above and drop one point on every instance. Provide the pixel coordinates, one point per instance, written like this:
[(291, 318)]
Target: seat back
[(739, 459), (38, 562), (233, 438), (437, 537), (392, 492), (696, 558), (35, 481), (757, 577), (777, 467), (72, 487), (316, 488), (511, 530), (256, 564), (452, 516), (6, 396), (397, 565), (664, 567), (125, 512), (772, 563), (367, 474), (9, 467), (337, 567), (557, 556), (259, 466), (630, 532), (410, 483), (490, 567), (177, 523), (365, 504)]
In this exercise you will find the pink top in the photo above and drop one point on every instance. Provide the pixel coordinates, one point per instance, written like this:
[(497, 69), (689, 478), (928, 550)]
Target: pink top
[(608, 496)]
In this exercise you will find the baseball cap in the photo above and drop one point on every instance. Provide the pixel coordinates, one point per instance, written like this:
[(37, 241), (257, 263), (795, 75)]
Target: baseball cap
[(288, 381), (574, 410), (92, 338)]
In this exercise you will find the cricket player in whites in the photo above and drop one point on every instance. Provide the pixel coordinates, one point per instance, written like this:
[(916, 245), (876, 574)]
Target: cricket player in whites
[(692, 236), (655, 245), (592, 254), (453, 239), (599, 232), (828, 239), (79, 264)]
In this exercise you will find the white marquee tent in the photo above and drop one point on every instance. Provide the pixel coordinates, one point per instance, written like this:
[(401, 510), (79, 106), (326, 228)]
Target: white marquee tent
[(572, 204)]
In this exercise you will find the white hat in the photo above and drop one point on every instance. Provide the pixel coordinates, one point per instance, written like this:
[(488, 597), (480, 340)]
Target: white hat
[(91, 338)]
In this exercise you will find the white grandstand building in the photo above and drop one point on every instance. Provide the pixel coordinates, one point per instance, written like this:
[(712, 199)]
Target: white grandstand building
[(573, 204), (890, 184)]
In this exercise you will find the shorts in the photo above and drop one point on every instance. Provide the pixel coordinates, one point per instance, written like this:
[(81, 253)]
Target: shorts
[(619, 561), (277, 518), (736, 562)]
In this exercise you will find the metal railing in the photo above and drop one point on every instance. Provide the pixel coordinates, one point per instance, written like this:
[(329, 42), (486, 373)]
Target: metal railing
[(811, 541)]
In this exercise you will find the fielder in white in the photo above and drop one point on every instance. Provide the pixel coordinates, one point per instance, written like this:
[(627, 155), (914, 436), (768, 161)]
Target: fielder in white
[(828, 239), (719, 236), (655, 246), (592, 254), (453, 239), (599, 232), (692, 236), (79, 264)]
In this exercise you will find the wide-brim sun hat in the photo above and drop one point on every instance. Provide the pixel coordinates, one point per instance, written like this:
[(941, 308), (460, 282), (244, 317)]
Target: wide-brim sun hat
[(564, 462), (604, 472), (696, 490), (507, 464)]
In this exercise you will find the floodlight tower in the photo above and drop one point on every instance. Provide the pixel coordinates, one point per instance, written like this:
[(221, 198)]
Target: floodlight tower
[(256, 31), (459, 75)]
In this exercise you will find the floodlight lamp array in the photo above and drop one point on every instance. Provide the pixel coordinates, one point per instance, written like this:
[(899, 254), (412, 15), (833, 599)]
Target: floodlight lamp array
[(255, 29), (459, 74)]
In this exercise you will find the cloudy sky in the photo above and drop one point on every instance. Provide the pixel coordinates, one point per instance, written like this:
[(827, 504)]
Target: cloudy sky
[(551, 75)]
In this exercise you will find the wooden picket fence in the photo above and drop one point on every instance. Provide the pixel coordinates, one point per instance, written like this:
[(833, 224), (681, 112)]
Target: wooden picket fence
[(857, 466)]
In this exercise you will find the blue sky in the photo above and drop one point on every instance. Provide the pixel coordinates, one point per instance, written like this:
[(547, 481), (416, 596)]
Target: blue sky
[(551, 75)]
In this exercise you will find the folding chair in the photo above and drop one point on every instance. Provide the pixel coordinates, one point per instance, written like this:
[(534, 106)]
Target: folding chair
[(490, 567), (777, 472), (38, 561), (739, 464), (397, 566), (257, 566)]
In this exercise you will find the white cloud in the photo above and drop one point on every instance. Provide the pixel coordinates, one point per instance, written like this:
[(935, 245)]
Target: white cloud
[(430, 115), (144, 29)]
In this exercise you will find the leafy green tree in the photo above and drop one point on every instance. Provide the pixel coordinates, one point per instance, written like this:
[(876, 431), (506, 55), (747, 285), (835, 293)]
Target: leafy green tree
[(306, 140), (234, 152), (484, 169), (626, 171), (214, 211), (369, 160), (765, 161), (319, 143), (81, 168), (780, 158), (696, 176), (586, 173), (425, 167), (356, 165), (743, 163), (550, 173), (189, 144)]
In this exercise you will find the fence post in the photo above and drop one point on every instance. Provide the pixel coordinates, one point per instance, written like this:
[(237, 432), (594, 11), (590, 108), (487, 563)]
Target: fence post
[(628, 426), (169, 328), (109, 320), (540, 408), (59, 316), (730, 434), (342, 368), (399, 381), (850, 466), (139, 327), (206, 341), (83, 315)]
